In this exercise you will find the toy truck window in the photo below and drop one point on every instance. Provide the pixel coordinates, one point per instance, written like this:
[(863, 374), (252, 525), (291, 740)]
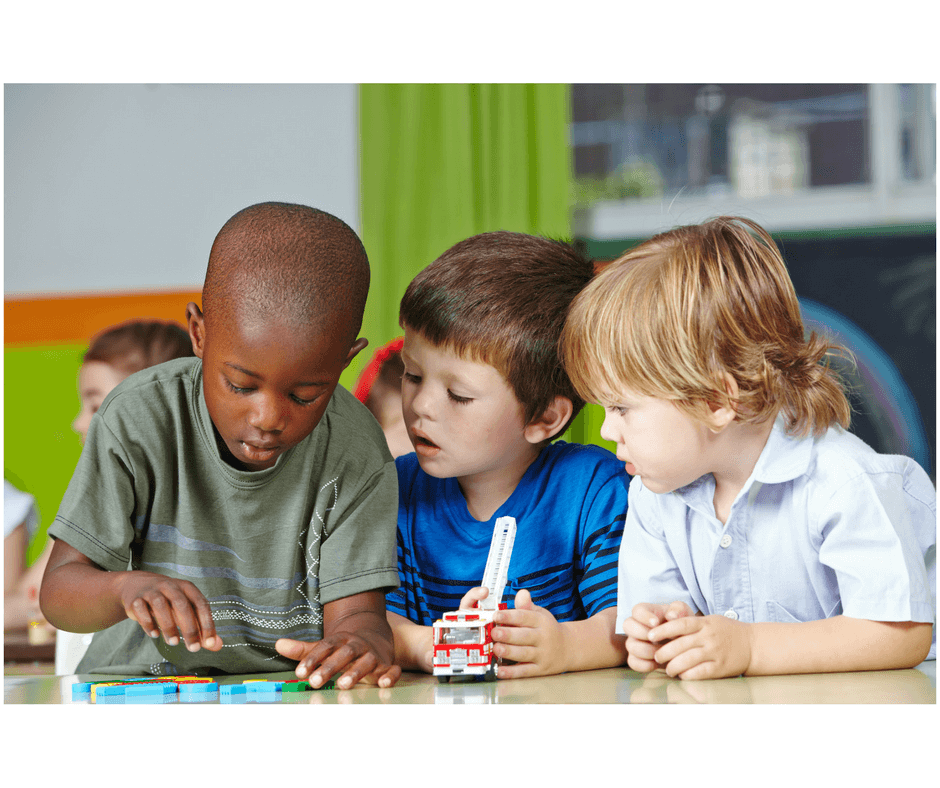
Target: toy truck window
[(461, 635)]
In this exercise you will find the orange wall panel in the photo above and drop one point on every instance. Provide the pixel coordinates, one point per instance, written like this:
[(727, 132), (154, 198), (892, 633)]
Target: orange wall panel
[(65, 319)]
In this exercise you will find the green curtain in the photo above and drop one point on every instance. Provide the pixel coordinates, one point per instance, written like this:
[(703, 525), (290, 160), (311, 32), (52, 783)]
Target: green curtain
[(440, 163)]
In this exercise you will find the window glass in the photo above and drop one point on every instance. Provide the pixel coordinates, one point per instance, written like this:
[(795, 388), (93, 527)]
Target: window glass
[(749, 140)]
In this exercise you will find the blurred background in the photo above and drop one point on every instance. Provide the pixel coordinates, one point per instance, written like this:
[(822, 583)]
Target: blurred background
[(114, 193)]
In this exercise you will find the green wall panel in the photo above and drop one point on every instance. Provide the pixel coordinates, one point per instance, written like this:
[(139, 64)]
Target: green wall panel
[(40, 448)]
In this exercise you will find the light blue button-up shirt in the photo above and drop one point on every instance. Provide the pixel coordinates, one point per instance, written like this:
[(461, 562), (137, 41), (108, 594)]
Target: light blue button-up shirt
[(823, 527)]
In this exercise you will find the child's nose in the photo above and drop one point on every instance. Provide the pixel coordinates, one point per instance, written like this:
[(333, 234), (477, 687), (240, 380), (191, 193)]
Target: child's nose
[(608, 433), (268, 415), (422, 402)]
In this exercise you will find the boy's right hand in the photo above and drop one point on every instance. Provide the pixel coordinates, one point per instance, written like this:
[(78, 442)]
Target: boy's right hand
[(644, 617), (173, 608)]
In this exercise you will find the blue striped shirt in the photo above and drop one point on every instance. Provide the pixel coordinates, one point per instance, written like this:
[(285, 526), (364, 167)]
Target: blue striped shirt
[(570, 507)]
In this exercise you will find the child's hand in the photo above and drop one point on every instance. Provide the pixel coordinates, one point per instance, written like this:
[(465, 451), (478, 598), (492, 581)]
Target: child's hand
[(473, 597), (531, 637), (343, 651), (702, 647), (172, 607), (645, 616)]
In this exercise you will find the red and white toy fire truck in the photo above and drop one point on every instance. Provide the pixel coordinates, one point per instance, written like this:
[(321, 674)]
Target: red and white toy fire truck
[(463, 645)]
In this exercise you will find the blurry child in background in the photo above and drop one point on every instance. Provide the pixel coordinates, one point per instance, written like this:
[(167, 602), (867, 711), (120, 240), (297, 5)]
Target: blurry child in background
[(379, 389), (762, 538), (484, 395), (120, 351), (113, 355)]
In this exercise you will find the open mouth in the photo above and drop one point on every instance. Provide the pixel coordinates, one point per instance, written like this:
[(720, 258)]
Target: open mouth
[(423, 446)]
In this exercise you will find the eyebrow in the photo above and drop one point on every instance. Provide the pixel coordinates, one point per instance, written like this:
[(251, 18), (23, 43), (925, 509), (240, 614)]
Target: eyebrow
[(256, 375)]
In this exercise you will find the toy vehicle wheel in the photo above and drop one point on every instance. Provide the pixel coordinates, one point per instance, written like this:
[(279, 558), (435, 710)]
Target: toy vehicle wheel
[(443, 679), (490, 674)]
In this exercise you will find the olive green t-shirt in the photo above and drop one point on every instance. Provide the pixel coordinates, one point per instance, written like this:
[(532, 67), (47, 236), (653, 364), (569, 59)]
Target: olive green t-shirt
[(267, 548)]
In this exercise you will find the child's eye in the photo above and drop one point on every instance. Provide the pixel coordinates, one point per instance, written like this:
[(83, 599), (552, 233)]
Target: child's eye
[(411, 378), (620, 410), (458, 399), (237, 389), (303, 402)]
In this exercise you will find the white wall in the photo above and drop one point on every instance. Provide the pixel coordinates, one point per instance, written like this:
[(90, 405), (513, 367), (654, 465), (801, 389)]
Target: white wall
[(123, 187)]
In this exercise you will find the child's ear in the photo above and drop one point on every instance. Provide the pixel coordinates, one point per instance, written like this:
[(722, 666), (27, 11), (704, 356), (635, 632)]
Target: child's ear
[(197, 328), (722, 414), (357, 346), (550, 423)]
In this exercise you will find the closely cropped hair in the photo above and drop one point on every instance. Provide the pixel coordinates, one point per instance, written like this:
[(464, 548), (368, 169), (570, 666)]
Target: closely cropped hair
[(675, 315), (137, 344), (501, 299), (288, 262)]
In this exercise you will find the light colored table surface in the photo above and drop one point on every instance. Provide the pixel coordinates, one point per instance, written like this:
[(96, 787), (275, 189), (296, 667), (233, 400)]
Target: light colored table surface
[(613, 686)]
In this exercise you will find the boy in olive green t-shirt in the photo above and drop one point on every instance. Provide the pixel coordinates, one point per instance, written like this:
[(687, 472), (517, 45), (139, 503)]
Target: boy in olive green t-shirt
[(241, 507)]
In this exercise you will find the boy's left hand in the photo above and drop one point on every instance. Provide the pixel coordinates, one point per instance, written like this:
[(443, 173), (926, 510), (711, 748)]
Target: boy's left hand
[(703, 647), (529, 636), (357, 642), (345, 652)]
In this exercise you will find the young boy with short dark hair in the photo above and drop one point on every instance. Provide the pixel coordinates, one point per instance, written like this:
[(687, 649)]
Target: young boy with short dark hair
[(240, 504), (483, 395)]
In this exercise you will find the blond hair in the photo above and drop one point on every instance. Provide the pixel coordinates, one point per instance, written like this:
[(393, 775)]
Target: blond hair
[(673, 317)]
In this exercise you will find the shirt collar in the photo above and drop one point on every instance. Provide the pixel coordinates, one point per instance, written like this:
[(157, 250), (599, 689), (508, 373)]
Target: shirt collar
[(782, 459)]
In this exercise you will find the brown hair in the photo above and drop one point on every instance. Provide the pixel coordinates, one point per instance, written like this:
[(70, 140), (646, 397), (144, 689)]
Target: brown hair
[(675, 315), (501, 299), (137, 344)]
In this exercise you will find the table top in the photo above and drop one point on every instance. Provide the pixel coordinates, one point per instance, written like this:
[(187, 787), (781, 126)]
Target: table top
[(610, 686)]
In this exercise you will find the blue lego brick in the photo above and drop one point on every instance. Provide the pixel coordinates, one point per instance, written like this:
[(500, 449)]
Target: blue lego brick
[(81, 691), (263, 686), (105, 690), (263, 691), (199, 693), (199, 688), (233, 689), (165, 688)]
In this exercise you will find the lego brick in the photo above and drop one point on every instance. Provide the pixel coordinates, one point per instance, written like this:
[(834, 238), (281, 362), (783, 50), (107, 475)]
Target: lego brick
[(198, 687), (81, 691), (263, 691), (233, 689), (163, 688), (260, 685), (95, 688)]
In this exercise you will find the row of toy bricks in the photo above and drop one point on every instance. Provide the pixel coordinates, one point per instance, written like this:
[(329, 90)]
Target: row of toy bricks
[(185, 685)]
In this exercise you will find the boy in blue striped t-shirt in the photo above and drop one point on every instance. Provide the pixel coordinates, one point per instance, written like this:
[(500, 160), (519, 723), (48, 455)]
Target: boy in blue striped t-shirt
[(483, 395)]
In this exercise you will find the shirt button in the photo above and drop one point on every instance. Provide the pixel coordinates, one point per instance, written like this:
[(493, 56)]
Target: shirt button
[(731, 614), (725, 540)]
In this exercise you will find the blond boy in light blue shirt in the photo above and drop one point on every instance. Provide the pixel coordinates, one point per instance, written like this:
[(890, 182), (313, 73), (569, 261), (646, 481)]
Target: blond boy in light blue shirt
[(761, 537)]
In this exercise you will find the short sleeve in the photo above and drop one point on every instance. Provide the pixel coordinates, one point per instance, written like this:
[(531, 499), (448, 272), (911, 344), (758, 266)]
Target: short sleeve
[(878, 534), (358, 550), (95, 516)]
